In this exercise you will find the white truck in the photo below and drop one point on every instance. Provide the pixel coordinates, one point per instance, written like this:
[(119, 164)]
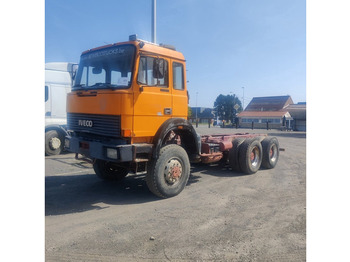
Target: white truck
[(59, 78)]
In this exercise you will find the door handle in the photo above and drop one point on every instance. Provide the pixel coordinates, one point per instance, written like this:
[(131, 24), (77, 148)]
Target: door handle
[(168, 111)]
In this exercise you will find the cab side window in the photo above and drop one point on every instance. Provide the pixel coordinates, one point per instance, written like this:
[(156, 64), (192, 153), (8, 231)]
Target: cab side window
[(153, 71), (178, 76)]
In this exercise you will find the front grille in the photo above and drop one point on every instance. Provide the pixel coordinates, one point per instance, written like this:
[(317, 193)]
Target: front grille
[(104, 125)]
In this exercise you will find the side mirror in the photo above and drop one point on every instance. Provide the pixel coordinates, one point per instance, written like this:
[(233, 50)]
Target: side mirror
[(97, 70), (158, 68), (74, 70)]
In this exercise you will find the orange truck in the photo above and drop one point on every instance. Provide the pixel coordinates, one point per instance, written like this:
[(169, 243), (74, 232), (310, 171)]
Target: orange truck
[(127, 113)]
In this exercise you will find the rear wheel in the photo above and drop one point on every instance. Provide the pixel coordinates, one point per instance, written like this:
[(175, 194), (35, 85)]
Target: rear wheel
[(109, 171), (233, 154), (270, 148), (250, 156), (53, 143), (169, 173)]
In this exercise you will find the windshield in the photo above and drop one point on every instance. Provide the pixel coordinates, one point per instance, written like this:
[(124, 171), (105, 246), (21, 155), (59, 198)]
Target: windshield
[(106, 68)]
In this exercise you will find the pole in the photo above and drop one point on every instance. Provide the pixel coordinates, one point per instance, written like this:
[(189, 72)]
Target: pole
[(154, 20), (243, 97), (196, 109)]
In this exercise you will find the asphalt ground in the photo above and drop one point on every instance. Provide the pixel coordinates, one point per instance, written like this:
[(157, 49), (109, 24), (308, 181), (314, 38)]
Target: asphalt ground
[(220, 216)]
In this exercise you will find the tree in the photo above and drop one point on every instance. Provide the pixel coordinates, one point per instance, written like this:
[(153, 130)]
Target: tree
[(224, 107), (189, 111)]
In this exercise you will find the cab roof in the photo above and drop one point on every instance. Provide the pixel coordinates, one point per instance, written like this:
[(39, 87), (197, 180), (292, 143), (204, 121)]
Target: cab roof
[(146, 47)]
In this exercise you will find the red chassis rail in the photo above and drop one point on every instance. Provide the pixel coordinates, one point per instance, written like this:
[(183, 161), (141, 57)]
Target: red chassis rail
[(215, 146)]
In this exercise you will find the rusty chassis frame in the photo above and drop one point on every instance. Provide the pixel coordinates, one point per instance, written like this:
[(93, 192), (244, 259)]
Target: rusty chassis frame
[(215, 146)]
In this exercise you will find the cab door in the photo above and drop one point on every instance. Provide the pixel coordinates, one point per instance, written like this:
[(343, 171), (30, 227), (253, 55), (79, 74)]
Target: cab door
[(179, 92), (152, 96)]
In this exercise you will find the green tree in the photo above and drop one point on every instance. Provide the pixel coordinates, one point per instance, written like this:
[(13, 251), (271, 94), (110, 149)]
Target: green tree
[(189, 111), (224, 107)]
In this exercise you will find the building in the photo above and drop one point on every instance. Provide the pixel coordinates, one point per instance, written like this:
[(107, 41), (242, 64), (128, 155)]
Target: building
[(203, 114), (263, 111), (276, 112), (298, 113)]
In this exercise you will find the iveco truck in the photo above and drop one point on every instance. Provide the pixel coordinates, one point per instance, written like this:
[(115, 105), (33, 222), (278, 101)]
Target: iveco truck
[(127, 113)]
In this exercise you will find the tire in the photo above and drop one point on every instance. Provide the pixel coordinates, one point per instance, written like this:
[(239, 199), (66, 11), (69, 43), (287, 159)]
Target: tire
[(109, 171), (250, 156), (270, 147), (233, 154), (53, 143), (169, 173)]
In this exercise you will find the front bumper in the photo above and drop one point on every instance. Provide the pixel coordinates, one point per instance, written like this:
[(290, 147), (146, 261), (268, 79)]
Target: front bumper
[(98, 150)]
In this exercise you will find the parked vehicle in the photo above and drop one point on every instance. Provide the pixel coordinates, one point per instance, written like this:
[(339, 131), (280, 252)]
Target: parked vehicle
[(58, 82), (127, 112)]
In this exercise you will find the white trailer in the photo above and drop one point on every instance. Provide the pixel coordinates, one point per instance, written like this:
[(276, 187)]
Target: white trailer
[(59, 78)]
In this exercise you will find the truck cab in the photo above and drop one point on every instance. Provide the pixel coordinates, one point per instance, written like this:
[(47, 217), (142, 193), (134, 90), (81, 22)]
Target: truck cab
[(127, 101), (136, 85)]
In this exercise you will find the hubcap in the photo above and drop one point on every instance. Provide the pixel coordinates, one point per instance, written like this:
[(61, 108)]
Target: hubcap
[(55, 143), (255, 156), (173, 171), (273, 153)]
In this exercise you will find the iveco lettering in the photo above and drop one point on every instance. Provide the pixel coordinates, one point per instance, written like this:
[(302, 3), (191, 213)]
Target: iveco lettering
[(87, 123)]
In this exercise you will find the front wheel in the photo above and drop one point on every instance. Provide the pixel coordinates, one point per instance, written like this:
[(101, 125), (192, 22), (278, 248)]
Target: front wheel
[(169, 173), (109, 171), (53, 143)]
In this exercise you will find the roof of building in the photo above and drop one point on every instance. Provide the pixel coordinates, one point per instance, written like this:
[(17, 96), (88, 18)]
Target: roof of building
[(269, 103), (264, 114), (297, 111)]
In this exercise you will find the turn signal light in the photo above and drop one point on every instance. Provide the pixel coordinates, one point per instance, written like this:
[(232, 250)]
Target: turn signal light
[(126, 133)]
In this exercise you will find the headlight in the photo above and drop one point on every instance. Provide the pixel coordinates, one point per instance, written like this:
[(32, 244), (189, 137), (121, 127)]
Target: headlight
[(66, 143), (112, 153)]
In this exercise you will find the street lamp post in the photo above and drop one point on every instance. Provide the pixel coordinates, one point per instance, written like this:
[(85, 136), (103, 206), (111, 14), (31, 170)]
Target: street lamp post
[(154, 20), (243, 97), (233, 105), (196, 109)]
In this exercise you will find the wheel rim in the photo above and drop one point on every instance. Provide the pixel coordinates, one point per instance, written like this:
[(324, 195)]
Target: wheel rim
[(273, 153), (55, 143), (173, 171), (255, 156), (111, 170)]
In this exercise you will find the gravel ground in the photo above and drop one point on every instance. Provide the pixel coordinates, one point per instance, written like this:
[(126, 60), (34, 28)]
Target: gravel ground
[(220, 216)]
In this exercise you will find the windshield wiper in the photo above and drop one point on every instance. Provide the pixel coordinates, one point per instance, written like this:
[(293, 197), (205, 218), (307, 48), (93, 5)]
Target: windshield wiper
[(98, 85), (113, 86), (79, 86), (106, 85)]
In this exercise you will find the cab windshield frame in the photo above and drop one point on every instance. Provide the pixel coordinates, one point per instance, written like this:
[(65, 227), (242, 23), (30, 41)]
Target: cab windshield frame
[(107, 68)]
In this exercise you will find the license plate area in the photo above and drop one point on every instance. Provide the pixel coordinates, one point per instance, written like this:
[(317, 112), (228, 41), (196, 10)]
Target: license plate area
[(84, 145)]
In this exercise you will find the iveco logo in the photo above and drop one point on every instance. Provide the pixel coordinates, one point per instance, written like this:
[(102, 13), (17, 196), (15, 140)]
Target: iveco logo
[(87, 123)]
